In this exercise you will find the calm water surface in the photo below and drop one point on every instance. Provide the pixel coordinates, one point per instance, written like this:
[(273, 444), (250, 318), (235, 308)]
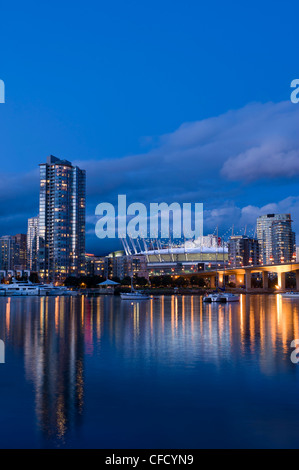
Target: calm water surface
[(165, 373)]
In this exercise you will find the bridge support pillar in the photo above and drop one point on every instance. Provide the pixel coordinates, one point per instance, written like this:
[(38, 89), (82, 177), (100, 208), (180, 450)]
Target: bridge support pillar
[(297, 280), (248, 280), (281, 280), (220, 280), (213, 282), (265, 280)]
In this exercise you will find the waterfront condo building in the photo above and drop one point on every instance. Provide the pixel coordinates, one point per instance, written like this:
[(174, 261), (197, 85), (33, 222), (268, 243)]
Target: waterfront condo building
[(7, 246), (243, 251), (61, 220), (13, 252), (276, 239), (20, 252)]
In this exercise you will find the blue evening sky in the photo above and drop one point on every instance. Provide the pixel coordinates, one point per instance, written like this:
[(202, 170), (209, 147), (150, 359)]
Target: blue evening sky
[(92, 81)]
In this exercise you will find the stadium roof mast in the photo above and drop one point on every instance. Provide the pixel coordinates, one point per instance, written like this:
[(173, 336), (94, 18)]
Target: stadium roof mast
[(138, 243), (126, 246)]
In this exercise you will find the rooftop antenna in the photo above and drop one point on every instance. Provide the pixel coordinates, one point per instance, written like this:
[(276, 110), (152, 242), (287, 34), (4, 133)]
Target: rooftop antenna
[(232, 230), (245, 229)]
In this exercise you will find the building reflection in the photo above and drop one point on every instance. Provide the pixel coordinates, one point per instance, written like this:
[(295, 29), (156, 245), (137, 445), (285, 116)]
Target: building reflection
[(50, 332), (180, 329), (60, 336)]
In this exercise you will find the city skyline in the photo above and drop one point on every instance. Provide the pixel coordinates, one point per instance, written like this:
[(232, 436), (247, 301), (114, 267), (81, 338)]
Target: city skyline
[(149, 271), (253, 195), (253, 229)]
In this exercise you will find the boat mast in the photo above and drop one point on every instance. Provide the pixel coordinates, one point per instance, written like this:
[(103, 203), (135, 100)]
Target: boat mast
[(217, 258)]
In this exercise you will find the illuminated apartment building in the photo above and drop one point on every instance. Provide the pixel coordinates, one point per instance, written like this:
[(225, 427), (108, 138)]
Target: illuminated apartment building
[(276, 238)]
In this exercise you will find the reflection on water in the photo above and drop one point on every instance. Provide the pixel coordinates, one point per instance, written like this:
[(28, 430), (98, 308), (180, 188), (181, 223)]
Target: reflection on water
[(94, 372)]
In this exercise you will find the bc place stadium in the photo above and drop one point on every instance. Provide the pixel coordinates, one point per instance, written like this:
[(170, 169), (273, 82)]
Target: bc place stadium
[(204, 253)]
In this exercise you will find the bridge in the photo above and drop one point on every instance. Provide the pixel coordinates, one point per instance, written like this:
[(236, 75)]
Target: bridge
[(243, 275)]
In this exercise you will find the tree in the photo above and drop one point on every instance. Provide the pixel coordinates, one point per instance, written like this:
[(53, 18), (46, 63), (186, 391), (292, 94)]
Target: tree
[(181, 282), (156, 281), (197, 281), (34, 278), (201, 282), (166, 280), (141, 281), (126, 281)]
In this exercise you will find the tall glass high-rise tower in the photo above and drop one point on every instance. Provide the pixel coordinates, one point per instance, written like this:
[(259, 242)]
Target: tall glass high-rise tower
[(61, 219)]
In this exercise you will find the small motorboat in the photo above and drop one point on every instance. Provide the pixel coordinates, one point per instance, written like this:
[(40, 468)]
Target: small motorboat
[(231, 297)]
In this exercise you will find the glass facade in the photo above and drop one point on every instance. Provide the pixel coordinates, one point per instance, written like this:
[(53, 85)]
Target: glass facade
[(61, 220), (243, 251), (13, 252), (20, 251), (283, 242), (32, 243), (7, 247)]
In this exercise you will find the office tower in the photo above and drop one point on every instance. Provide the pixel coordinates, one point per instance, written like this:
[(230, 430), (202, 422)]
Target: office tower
[(61, 220), (32, 243), (7, 243), (276, 239), (20, 252), (243, 251)]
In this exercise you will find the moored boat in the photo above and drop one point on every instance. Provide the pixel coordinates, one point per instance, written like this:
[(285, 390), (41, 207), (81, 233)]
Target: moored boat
[(221, 297), (134, 296), (291, 295), (18, 288), (231, 297), (213, 298), (25, 288)]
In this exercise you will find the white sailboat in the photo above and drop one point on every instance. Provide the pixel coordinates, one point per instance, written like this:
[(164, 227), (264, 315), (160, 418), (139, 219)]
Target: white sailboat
[(222, 297), (134, 295)]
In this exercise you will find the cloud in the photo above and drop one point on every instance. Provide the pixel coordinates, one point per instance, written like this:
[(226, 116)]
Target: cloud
[(289, 205), (270, 160), (256, 142)]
